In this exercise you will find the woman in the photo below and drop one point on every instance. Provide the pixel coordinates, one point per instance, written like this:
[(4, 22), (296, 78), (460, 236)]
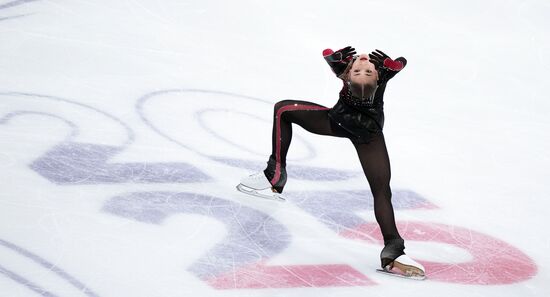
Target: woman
[(358, 115)]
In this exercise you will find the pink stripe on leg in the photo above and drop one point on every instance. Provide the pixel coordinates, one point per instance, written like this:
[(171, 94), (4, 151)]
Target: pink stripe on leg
[(292, 107)]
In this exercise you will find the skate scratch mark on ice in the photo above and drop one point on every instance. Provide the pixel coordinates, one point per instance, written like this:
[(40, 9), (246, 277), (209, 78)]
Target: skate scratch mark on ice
[(72, 162), (150, 12), (284, 267), (141, 112), (265, 253), (133, 205), (70, 124), (129, 131), (15, 3), (8, 5), (45, 264), (13, 17), (239, 260), (25, 282)]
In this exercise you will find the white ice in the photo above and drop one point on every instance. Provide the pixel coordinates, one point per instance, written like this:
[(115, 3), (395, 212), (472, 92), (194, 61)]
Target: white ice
[(125, 126)]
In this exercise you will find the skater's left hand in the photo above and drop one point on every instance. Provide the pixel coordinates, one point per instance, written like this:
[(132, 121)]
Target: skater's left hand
[(381, 60), (386, 67)]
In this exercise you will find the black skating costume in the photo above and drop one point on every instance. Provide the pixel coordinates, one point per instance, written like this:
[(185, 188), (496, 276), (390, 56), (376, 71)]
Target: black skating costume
[(361, 121)]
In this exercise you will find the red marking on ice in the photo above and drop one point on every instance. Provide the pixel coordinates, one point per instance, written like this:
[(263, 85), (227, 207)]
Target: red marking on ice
[(260, 276), (494, 261)]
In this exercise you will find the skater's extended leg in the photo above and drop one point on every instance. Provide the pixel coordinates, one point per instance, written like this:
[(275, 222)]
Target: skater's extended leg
[(310, 116)]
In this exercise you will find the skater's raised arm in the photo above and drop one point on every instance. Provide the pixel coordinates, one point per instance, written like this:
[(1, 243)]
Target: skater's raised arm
[(386, 67), (339, 60), (365, 75)]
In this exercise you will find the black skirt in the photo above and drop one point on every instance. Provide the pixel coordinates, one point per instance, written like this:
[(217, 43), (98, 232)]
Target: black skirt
[(362, 122)]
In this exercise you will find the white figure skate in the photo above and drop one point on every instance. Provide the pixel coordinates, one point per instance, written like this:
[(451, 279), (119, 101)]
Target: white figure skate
[(258, 185), (405, 267)]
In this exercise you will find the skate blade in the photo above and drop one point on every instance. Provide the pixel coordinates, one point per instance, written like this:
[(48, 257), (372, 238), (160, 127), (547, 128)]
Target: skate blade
[(403, 271), (395, 274), (268, 194)]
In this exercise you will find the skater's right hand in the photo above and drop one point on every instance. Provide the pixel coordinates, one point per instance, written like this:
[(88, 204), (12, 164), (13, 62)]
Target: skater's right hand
[(339, 60)]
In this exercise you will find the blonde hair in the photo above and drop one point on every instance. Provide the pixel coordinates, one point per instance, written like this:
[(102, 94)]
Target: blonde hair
[(363, 91), (345, 73)]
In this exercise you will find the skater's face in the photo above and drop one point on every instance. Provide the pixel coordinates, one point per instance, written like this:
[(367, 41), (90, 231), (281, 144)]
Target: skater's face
[(362, 71), (363, 77)]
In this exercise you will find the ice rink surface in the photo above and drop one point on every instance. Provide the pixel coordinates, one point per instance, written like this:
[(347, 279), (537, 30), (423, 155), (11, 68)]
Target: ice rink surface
[(125, 126)]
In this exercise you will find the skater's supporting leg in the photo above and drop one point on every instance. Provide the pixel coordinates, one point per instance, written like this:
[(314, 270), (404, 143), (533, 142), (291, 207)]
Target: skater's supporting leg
[(376, 165)]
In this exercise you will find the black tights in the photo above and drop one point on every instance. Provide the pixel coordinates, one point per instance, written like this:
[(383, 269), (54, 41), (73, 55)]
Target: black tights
[(372, 155)]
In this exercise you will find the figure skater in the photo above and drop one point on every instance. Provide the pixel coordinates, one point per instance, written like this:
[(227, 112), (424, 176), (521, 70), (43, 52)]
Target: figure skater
[(359, 116)]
